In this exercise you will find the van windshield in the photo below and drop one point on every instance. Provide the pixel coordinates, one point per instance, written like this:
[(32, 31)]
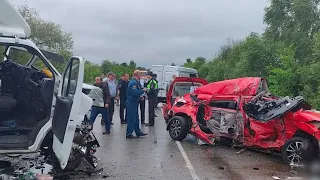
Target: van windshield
[(186, 74)]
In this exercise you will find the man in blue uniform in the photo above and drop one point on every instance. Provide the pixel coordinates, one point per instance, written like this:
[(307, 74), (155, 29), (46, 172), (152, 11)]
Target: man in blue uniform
[(133, 97)]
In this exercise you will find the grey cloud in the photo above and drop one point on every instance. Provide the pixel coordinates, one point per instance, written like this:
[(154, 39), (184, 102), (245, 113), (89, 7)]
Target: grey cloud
[(152, 32)]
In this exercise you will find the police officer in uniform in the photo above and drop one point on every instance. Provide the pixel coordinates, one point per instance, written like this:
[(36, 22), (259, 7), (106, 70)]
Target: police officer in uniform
[(152, 88), (134, 93)]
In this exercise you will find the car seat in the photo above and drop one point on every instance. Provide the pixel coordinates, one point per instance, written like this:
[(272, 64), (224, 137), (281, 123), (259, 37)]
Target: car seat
[(7, 103)]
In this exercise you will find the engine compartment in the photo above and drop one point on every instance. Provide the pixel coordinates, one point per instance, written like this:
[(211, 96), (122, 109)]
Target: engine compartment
[(264, 110)]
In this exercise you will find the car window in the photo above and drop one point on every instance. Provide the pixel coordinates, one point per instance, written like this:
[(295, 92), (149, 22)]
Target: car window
[(70, 79), (224, 104), (38, 63), (18, 55), (183, 88)]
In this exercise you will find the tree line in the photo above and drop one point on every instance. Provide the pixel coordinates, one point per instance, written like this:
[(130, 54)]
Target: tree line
[(287, 53)]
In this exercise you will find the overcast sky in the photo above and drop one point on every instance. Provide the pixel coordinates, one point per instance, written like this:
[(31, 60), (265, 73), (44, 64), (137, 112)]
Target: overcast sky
[(150, 31)]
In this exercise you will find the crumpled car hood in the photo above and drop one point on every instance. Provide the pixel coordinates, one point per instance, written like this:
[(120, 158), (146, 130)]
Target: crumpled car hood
[(306, 115)]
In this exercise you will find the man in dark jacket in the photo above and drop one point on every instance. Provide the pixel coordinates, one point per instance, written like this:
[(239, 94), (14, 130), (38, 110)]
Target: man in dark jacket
[(122, 93), (102, 110)]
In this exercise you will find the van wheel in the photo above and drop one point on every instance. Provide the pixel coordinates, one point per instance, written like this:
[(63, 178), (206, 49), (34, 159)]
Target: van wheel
[(296, 150), (178, 128)]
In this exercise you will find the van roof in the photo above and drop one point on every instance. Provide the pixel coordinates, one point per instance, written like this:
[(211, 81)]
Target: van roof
[(178, 68), (11, 22)]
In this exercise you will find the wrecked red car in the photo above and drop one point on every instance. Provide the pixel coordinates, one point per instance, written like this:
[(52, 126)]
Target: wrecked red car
[(243, 112)]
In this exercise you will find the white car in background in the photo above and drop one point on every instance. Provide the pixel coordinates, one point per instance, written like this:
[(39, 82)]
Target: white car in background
[(35, 103)]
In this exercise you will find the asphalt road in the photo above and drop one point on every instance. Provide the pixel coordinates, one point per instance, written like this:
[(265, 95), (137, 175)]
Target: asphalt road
[(158, 157)]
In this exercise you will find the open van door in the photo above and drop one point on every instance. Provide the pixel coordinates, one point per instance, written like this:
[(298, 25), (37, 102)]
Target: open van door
[(67, 109)]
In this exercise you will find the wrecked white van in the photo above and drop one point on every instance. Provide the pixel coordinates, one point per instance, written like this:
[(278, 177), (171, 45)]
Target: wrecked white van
[(35, 99)]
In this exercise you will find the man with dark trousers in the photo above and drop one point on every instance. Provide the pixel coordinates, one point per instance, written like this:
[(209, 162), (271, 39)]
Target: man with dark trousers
[(110, 79), (133, 97), (122, 93), (157, 92), (142, 102), (152, 87), (102, 110)]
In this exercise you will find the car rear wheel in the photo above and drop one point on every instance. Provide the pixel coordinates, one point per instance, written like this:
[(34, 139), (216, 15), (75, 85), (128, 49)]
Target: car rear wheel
[(294, 150), (178, 128)]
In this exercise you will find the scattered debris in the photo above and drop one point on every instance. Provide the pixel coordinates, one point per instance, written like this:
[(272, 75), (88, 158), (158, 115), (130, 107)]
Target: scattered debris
[(201, 142), (275, 177), (221, 167), (241, 151)]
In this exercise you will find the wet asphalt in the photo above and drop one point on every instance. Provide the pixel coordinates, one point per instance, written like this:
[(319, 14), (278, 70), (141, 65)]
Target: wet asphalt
[(157, 157)]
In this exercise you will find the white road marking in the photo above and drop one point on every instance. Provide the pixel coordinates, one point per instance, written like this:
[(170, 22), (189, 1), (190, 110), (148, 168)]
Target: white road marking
[(186, 159), (188, 163)]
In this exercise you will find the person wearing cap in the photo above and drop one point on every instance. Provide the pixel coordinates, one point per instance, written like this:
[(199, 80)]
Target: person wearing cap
[(134, 93), (110, 79), (152, 87)]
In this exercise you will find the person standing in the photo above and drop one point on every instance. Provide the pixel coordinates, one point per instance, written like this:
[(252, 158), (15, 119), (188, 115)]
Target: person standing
[(133, 98), (102, 110), (142, 102), (157, 93), (122, 93), (113, 93), (152, 87)]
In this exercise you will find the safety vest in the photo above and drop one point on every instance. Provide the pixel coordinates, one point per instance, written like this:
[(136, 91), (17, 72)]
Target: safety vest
[(152, 81)]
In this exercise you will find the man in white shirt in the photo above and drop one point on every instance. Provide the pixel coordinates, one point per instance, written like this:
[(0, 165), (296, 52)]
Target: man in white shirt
[(110, 79)]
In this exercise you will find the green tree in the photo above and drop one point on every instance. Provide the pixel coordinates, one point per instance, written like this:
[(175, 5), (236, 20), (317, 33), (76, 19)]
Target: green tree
[(294, 22), (132, 64)]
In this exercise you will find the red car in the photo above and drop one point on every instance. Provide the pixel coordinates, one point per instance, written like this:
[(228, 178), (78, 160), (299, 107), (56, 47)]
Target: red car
[(243, 112)]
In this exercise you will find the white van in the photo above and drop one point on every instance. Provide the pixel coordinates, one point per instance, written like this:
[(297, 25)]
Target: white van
[(165, 73), (34, 103)]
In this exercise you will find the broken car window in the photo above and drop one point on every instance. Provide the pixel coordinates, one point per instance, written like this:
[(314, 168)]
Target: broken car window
[(224, 104), (182, 88)]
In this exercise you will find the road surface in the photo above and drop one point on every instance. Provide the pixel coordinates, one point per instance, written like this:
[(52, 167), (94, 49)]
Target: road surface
[(158, 157)]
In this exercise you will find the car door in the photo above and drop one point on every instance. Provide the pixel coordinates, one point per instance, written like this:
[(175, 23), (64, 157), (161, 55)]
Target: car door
[(67, 109), (173, 92)]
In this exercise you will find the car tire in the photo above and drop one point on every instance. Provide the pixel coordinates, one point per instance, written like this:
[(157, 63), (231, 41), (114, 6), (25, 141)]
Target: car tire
[(178, 128), (293, 149)]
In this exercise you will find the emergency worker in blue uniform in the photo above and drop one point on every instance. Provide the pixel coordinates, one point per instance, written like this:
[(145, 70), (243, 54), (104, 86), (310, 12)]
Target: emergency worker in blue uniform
[(134, 93)]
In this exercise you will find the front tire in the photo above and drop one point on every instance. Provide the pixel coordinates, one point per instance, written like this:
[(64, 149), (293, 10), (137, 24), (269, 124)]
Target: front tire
[(296, 149), (178, 128)]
